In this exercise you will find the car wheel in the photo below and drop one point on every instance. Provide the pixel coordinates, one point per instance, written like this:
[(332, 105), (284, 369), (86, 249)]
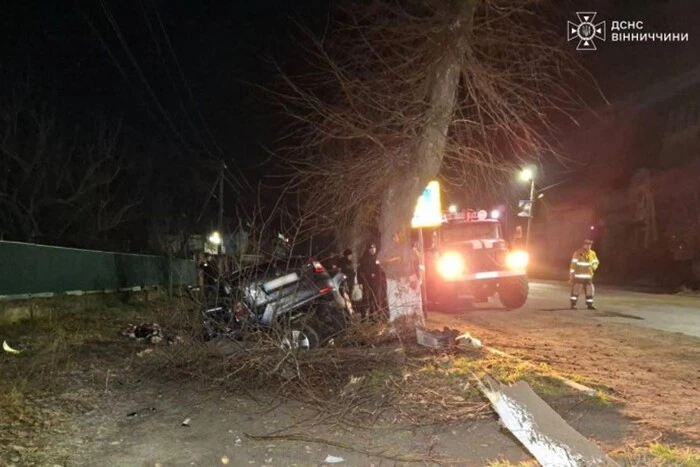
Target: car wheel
[(330, 321), (299, 336), (513, 292)]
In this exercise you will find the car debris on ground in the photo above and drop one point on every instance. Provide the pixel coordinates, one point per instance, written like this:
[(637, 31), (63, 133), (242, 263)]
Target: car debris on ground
[(149, 332), (6, 347), (437, 339), (543, 432)]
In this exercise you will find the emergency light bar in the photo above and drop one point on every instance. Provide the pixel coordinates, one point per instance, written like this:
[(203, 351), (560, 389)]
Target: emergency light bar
[(470, 215)]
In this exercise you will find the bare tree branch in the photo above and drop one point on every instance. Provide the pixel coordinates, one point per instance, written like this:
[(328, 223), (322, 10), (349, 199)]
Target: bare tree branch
[(398, 92), (58, 186)]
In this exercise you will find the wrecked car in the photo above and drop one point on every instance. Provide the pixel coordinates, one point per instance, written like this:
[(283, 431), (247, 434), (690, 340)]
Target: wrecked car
[(296, 300)]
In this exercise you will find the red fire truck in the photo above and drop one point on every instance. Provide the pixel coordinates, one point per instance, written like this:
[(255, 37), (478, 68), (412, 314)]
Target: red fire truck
[(467, 259)]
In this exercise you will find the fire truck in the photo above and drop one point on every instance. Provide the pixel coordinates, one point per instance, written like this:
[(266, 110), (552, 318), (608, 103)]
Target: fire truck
[(468, 260)]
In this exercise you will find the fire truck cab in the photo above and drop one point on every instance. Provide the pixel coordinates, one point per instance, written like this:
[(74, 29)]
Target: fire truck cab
[(467, 259)]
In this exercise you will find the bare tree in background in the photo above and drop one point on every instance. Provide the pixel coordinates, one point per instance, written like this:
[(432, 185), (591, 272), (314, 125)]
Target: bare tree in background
[(398, 92), (59, 186)]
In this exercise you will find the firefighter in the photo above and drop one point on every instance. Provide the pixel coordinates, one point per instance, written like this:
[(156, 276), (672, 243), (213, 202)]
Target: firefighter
[(583, 266)]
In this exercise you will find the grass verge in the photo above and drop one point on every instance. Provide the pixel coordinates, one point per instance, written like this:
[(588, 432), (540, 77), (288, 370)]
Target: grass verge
[(373, 375), (69, 356)]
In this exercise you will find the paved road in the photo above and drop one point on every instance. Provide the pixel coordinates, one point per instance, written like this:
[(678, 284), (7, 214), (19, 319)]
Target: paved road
[(672, 313)]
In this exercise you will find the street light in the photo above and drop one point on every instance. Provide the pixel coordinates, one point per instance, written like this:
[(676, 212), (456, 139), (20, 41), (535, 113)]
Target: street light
[(215, 238), (528, 175), (452, 209)]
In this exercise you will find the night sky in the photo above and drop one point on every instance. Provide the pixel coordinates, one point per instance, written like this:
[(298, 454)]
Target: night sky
[(183, 89), (219, 46), (198, 58)]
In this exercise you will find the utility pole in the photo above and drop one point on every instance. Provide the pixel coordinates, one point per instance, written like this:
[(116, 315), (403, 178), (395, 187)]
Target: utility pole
[(221, 205), (532, 209), (220, 226)]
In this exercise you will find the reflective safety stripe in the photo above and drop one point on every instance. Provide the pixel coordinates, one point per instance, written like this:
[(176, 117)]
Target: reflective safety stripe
[(589, 300), (583, 276), (581, 263), (574, 298)]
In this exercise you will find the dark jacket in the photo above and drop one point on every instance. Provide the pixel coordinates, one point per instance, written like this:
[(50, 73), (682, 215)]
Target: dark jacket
[(211, 272), (347, 268), (369, 271)]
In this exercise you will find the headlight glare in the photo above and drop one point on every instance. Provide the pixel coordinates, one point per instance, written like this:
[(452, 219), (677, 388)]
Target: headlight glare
[(517, 259), (451, 265)]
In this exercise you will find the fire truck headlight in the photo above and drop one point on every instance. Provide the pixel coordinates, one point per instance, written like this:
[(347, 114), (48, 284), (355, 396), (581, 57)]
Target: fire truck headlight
[(517, 259), (451, 265)]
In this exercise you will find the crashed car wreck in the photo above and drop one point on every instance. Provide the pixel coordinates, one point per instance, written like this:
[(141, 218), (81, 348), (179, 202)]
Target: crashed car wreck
[(296, 300)]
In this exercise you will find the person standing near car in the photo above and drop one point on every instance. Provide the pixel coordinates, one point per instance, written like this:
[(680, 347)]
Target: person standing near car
[(210, 271), (351, 289), (584, 263), (373, 282), (347, 267)]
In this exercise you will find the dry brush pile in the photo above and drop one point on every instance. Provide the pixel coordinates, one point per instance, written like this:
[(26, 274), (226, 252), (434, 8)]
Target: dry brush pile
[(367, 374)]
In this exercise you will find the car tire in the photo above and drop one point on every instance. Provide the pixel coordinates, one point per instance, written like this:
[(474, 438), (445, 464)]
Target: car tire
[(300, 336), (331, 321), (513, 292)]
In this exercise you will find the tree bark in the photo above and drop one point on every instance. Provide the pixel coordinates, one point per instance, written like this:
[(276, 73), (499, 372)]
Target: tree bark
[(403, 288)]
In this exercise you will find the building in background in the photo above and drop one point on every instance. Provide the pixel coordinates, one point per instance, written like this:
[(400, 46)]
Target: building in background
[(639, 197)]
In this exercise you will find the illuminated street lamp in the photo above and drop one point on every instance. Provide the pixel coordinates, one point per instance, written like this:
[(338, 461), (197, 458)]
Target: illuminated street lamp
[(215, 238), (452, 209), (528, 175)]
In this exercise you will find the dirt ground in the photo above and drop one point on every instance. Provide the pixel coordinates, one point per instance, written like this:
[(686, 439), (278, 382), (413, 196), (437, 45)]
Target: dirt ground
[(80, 394), (655, 375)]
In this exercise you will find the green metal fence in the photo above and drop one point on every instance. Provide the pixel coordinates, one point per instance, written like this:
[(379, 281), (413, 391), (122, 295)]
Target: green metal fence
[(28, 269)]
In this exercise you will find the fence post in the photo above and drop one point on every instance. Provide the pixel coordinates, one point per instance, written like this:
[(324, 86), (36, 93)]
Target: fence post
[(170, 276)]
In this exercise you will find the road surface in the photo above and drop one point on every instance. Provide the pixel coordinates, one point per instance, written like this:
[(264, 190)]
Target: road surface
[(672, 313), (644, 347)]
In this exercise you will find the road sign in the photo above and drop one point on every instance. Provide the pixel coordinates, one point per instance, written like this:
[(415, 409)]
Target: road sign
[(525, 208), (428, 212)]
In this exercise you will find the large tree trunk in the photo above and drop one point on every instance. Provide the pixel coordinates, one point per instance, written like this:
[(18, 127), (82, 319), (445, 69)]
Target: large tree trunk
[(403, 288)]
